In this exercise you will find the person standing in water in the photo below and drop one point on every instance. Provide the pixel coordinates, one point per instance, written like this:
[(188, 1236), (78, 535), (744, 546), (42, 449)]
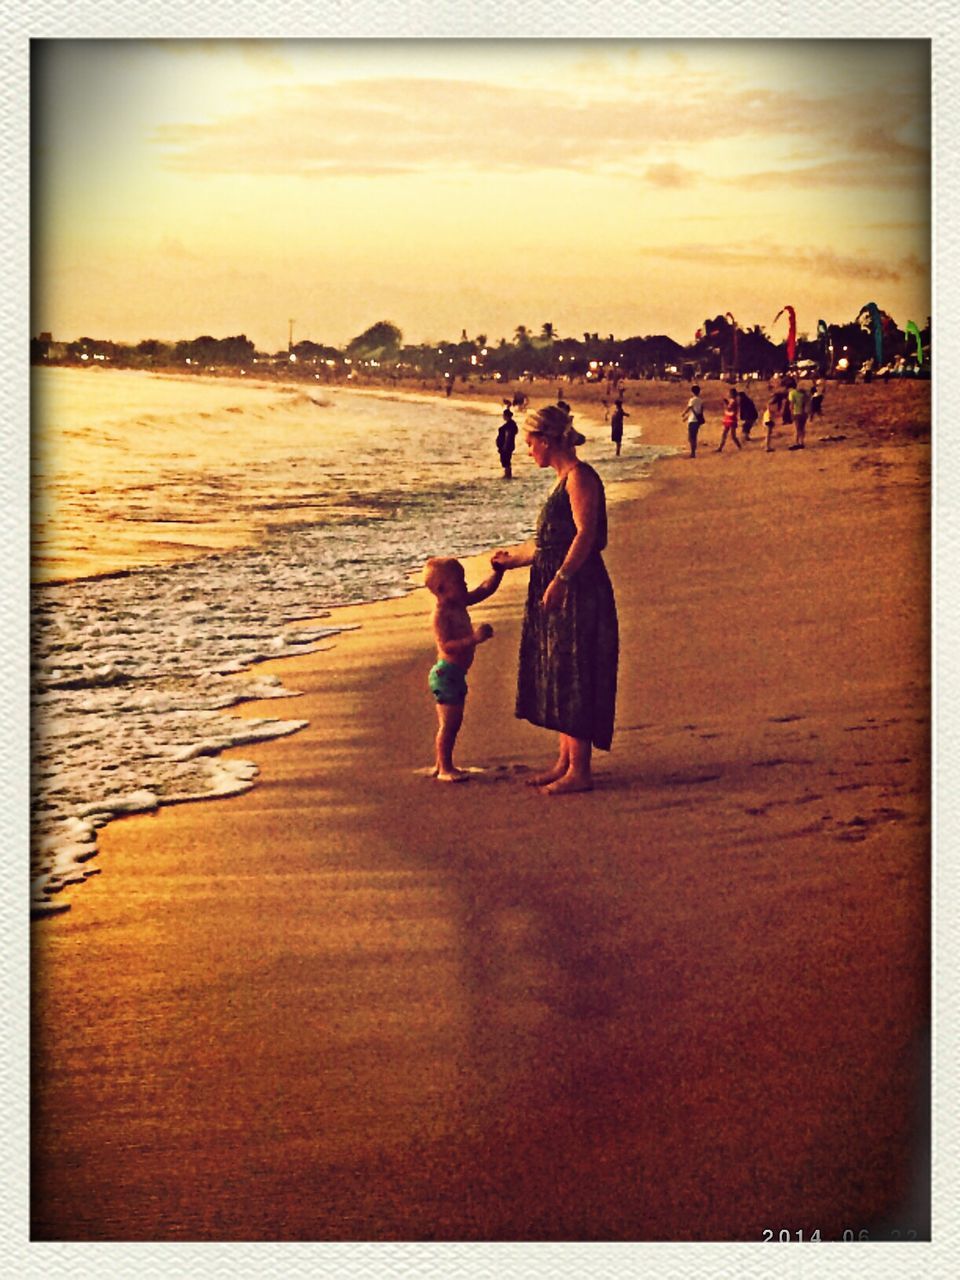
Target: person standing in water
[(506, 442), (616, 424)]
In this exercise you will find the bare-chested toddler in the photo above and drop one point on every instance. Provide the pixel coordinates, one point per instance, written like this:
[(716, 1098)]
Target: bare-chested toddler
[(457, 640)]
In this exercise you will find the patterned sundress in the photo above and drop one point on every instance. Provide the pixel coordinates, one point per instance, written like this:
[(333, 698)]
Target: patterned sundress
[(568, 658)]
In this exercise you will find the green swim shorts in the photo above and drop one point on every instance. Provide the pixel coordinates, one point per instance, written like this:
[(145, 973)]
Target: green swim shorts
[(448, 682)]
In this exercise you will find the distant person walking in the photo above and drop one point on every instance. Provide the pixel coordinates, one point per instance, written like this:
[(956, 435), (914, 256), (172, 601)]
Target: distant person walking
[(748, 414), (798, 402), (616, 424), (770, 415), (506, 442), (816, 398), (778, 407), (731, 415), (694, 416)]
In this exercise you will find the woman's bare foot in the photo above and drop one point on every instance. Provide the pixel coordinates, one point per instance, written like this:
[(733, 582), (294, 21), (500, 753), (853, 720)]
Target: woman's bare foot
[(568, 784), (551, 775), (454, 775)]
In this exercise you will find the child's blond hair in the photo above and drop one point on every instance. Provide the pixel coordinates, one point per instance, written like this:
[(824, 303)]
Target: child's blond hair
[(437, 573)]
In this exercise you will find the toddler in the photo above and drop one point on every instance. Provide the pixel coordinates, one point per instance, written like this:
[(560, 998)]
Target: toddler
[(456, 641)]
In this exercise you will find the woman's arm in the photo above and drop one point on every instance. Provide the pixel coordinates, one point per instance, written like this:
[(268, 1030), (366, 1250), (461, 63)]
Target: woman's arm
[(513, 557), (583, 489)]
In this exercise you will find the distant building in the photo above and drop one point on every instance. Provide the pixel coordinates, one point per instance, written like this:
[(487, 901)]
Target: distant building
[(43, 349)]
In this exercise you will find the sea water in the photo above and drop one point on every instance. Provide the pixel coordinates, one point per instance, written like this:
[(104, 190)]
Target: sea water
[(185, 529)]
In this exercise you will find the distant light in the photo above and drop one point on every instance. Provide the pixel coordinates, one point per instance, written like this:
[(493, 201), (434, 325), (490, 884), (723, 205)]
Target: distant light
[(843, 362), (483, 351), (473, 359), (189, 361), (293, 358), (593, 364), (86, 357)]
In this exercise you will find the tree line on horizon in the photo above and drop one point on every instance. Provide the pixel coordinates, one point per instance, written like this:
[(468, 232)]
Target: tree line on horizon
[(720, 347)]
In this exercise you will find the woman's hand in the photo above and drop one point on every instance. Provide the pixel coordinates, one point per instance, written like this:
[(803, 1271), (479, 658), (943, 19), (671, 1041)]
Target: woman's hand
[(501, 560), (554, 596)]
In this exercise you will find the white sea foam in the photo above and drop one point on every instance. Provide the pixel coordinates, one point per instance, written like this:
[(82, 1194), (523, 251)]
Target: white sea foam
[(317, 501)]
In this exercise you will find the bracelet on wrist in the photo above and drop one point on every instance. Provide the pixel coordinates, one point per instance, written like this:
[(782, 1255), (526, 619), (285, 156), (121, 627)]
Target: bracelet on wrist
[(562, 576)]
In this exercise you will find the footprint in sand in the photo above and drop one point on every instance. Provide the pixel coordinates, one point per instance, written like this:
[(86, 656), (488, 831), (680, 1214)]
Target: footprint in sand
[(687, 780)]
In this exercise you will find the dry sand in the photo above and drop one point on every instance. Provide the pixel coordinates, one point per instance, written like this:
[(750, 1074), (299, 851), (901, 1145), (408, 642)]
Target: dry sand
[(355, 1004)]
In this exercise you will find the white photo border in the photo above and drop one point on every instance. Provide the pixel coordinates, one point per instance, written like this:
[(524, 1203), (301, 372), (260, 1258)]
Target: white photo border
[(83, 19)]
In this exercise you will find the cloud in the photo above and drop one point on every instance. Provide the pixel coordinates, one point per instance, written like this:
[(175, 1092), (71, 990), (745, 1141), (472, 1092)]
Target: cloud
[(857, 171), (669, 175), (812, 262), (398, 125)]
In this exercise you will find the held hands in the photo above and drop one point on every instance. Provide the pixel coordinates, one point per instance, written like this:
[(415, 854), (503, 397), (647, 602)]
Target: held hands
[(501, 560)]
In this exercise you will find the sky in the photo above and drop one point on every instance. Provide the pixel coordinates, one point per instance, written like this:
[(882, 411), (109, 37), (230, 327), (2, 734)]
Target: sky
[(629, 187)]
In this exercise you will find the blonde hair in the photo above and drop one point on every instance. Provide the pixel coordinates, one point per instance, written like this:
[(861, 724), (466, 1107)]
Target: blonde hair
[(437, 573), (555, 424)]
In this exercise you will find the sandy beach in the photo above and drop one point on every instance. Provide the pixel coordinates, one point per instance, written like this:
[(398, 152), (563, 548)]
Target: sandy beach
[(694, 1004)]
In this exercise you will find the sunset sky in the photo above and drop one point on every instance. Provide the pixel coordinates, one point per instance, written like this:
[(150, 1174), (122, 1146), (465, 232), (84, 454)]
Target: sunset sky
[(627, 187)]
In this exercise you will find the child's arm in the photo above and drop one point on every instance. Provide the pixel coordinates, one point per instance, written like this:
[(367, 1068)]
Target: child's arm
[(460, 645), (487, 587)]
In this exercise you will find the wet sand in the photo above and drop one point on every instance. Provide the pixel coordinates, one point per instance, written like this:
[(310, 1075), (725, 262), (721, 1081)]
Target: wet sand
[(355, 1004)]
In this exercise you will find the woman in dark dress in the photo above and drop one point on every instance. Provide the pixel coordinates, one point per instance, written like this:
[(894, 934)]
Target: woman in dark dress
[(569, 644)]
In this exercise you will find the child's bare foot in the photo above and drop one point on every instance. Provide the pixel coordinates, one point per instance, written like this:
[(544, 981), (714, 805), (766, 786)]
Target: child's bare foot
[(568, 784), (452, 775)]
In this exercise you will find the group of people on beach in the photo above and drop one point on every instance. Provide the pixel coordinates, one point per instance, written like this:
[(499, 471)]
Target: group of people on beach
[(789, 401), (569, 645)]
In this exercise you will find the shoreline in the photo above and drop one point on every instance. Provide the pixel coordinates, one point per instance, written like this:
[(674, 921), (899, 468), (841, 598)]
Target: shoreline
[(398, 1013)]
